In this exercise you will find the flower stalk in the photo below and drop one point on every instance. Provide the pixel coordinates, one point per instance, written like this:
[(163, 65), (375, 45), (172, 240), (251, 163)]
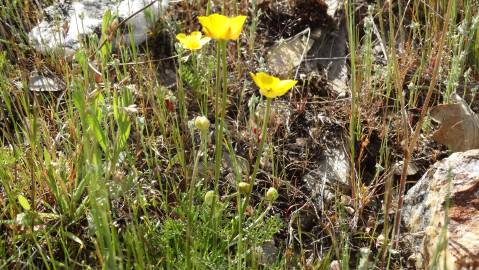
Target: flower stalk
[(260, 151), (220, 105)]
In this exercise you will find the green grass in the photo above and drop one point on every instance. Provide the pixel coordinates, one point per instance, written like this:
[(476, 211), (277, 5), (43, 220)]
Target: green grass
[(112, 173)]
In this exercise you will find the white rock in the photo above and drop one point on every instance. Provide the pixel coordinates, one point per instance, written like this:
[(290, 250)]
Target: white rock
[(39, 83), (424, 213), (66, 23), (335, 265), (333, 7)]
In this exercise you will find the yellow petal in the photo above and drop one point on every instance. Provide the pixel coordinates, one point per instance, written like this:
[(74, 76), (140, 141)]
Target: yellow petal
[(263, 80), (193, 44), (181, 37), (235, 27), (215, 26), (196, 35), (271, 86), (267, 93), (205, 23), (283, 86), (254, 77)]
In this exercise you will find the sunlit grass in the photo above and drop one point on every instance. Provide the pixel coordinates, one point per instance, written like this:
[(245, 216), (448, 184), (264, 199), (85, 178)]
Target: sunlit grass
[(119, 171)]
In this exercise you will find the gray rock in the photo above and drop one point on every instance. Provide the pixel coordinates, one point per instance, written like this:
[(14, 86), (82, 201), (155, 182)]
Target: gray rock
[(329, 177), (424, 213), (286, 55), (329, 53), (268, 253), (66, 22), (412, 168)]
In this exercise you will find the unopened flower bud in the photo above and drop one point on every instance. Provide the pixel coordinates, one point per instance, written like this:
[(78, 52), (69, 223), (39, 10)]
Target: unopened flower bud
[(209, 197), (243, 187), (202, 123), (272, 194)]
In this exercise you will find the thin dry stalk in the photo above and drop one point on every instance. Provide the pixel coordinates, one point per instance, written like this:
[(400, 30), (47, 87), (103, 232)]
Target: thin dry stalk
[(413, 140)]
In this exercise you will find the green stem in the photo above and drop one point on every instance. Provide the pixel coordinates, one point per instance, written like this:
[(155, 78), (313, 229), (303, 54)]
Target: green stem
[(220, 113), (260, 150), (239, 246), (208, 8), (204, 148), (217, 115), (353, 121), (181, 97)]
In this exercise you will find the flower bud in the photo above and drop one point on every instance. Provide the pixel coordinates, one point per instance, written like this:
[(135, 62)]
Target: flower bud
[(243, 187), (202, 123), (272, 194), (209, 197)]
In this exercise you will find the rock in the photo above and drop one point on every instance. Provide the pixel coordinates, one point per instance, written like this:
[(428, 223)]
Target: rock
[(424, 213), (268, 253), (331, 176), (412, 168), (67, 22), (333, 7), (329, 53), (335, 265), (288, 54), (39, 83), (364, 263), (380, 241)]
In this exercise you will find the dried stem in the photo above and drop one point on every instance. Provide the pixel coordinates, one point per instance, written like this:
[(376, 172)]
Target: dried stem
[(412, 143)]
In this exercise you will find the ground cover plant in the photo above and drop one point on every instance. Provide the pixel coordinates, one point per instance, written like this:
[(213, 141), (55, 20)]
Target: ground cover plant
[(192, 150)]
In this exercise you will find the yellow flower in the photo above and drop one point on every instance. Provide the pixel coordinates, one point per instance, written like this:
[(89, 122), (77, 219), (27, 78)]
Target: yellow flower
[(220, 27), (193, 41), (270, 86)]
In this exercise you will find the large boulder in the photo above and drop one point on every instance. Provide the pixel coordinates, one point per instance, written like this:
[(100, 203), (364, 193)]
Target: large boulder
[(441, 213), (65, 23)]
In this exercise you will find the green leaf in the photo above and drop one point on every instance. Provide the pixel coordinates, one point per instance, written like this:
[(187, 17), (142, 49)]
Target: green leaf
[(24, 202), (107, 47), (106, 21), (75, 238), (98, 133), (124, 129)]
